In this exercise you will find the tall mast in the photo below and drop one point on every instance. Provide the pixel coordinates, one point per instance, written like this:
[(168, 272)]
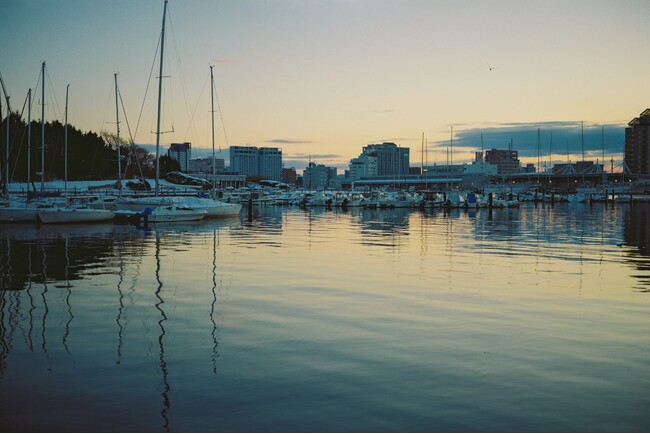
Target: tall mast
[(4, 91), (539, 146), (422, 157), (482, 164), (550, 154), (582, 128), (162, 51), (65, 143), (117, 121), (29, 135), (7, 148), (451, 144), (602, 138), (7, 189), (43, 127), (214, 173)]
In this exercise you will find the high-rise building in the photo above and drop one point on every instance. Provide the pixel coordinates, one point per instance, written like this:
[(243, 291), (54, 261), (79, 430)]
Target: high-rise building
[(265, 163), (270, 163), (507, 161), (363, 166), (637, 144), (318, 176), (181, 152), (391, 159), (244, 160)]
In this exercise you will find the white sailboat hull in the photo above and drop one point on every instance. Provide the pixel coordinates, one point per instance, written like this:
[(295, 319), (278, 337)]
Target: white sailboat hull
[(74, 215), (140, 204), (214, 208), (174, 214), (17, 214)]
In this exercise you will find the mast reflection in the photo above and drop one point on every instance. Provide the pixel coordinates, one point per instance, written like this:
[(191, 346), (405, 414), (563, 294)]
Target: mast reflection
[(161, 337), (214, 302)]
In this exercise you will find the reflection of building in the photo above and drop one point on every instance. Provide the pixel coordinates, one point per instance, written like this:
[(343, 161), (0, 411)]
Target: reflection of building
[(507, 161), (636, 231), (265, 163), (637, 144), (181, 152), (204, 165), (318, 176)]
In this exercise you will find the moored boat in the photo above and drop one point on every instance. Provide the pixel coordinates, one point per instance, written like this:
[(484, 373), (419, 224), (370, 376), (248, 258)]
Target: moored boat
[(81, 214)]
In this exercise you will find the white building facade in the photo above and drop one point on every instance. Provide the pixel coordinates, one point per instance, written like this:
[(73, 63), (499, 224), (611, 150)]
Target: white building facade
[(265, 163)]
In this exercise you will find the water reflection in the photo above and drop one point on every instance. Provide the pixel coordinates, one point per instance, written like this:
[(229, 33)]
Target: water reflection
[(637, 234), (292, 303)]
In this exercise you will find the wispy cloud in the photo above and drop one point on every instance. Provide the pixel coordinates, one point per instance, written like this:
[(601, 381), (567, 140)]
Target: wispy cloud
[(289, 141)]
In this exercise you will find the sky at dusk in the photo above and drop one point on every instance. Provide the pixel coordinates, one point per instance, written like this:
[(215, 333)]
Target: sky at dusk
[(323, 78)]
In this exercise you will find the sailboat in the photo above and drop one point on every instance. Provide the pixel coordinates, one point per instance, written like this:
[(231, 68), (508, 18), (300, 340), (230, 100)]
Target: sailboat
[(167, 209), (72, 214), (213, 207), (138, 205), (19, 212)]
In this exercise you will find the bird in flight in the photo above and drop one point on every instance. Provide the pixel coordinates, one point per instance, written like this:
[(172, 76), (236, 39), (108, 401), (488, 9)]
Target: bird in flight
[(491, 67)]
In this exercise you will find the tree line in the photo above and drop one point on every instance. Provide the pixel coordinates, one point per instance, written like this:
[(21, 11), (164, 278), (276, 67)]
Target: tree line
[(91, 156)]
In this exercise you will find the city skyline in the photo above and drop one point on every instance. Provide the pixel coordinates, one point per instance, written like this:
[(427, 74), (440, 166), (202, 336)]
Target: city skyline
[(325, 78)]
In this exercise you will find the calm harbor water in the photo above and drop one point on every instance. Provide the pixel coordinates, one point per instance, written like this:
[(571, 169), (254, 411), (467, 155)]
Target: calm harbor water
[(530, 319)]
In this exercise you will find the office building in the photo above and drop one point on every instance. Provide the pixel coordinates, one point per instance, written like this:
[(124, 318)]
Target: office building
[(637, 144), (263, 163), (507, 161), (181, 152), (319, 176), (363, 166), (391, 159)]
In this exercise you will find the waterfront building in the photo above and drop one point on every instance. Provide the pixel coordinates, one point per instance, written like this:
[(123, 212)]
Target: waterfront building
[(225, 179), (319, 176), (204, 165), (637, 144), (480, 168), (270, 163), (391, 159), (289, 175), (507, 161), (244, 160), (181, 152), (364, 165), (579, 167), (265, 163)]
